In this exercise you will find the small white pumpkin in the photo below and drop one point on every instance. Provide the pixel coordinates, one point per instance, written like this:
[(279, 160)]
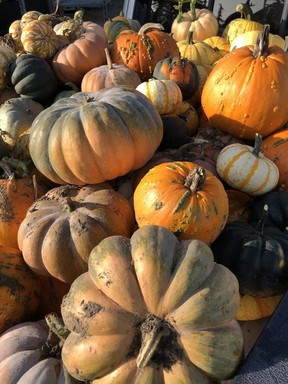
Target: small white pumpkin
[(164, 94), (245, 168)]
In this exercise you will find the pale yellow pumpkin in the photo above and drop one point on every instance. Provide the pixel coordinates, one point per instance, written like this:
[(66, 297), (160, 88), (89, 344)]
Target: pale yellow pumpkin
[(219, 44), (238, 26), (250, 38)]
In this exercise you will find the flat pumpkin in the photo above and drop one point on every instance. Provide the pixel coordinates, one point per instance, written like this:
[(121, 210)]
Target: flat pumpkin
[(183, 197), (176, 303)]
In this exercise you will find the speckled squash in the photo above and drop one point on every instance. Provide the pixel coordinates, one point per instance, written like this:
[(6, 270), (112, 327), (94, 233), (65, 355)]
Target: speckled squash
[(176, 303)]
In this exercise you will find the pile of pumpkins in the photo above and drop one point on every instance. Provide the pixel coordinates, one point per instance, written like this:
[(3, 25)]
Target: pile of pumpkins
[(143, 197)]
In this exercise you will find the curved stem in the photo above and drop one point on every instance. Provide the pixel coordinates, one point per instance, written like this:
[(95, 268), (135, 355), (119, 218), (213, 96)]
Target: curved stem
[(193, 10), (146, 27), (257, 144), (108, 59), (57, 326), (245, 10), (262, 43)]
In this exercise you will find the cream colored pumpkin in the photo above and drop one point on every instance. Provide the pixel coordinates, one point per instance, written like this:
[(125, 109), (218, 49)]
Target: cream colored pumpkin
[(245, 168), (165, 95), (250, 38), (238, 26)]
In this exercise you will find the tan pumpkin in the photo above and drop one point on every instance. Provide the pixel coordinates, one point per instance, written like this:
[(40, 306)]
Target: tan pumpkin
[(7, 56), (245, 168), (39, 39), (167, 313), (250, 38), (109, 75), (202, 21), (183, 197), (14, 31), (29, 16), (165, 95), (62, 228)]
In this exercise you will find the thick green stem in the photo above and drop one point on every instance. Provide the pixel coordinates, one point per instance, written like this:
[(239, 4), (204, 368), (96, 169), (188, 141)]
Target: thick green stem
[(193, 10), (257, 144)]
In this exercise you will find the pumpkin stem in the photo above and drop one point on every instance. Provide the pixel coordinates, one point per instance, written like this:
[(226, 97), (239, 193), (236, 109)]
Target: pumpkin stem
[(108, 59), (245, 11), (57, 326), (262, 43), (193, 10), (263, 218), (146, 27), (195, 179), (257, 144), (12, 167)]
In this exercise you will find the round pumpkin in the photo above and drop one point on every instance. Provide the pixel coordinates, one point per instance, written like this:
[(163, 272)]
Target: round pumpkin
[(19, 290), (234, 101), (175, 304), (30, 353), (250, 38), (72, 140), (183, 197), (142, 50), (109, 75), (117, 24), (61, 228)]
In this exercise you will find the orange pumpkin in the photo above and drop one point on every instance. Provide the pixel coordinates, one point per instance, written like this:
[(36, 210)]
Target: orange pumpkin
[(233, 95), (86, 52), (275, 148), (183, 197), (142, 50), (253, 307)]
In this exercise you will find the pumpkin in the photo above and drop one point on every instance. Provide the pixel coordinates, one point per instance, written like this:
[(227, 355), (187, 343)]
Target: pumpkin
[(183, 71), (203, 72), (233, 101), (84, 53), (7, 56), (245, 168), (109, 75), (7, 93), (14, 32), (250, 38), (254, 308), (39, 38), (203, 22), (176, 304), (33, 78), (61, 228), (142, 50), (114, 123), (275, 147), (219, 44), (257, 254), (198, 52), (29, 16), (30, 353), (176, 132), (112, 27), (165, 95), (19, 290), (17, 192), (183, 197), (239, 205)]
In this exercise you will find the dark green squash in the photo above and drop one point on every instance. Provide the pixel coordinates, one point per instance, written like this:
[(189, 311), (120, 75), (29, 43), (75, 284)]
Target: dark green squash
[(257, 254), (32, 77)]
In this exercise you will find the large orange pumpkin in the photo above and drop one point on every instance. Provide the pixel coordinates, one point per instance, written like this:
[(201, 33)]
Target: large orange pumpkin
[(245, 92), (187, 199), (142, 50)]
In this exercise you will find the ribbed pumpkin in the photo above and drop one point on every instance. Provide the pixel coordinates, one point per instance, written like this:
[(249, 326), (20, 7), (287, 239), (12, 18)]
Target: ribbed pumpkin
[(62, 227), (29, 353), (109, 75), (165, 95), (117, 24), (253, 308), (231, 98), (142, 50), (183, 197), (219, 44), (29, 16), (238, 26), (93, 137), (86, 52), (203, 22), (250, 38), (245, 168), (275, 148), (203, 72), (39, 38), (7, 56), (166, 313), (19, 290)]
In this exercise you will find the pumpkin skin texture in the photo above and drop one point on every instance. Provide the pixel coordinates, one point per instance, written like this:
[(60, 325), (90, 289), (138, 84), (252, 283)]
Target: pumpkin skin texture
[(19, 290), (142, 50), (245, 168), (254, 308), (187, 199), (77, 58), (275, 148), (228, 96), (62, 227), (29, 354), (256, 254), (115, 123), (158, 289)]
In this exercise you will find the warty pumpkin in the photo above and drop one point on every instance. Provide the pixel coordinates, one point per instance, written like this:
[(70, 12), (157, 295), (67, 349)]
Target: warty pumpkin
[(245, 168), (19, 290), (62, 227), (230, 96), (167, 313), (72, 140), (30, 353), (142, 50), (112, 27), (183, 197)]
